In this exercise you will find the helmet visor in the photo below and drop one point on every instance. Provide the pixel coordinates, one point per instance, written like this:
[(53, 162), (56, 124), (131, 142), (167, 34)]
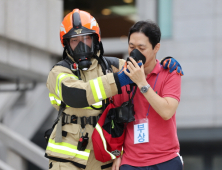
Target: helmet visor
[(82, 44)]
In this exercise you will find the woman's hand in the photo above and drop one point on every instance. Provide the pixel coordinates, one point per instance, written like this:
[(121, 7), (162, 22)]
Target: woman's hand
[(116, 163)]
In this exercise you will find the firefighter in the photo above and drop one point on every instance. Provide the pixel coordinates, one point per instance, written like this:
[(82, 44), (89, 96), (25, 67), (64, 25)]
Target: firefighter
[(79, 86)]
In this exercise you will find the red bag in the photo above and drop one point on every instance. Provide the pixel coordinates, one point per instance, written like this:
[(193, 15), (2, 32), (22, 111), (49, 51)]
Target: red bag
[(108, 136)]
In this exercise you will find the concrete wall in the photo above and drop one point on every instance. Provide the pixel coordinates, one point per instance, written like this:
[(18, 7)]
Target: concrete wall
[(196, 43), (29, 35), (29, 43)]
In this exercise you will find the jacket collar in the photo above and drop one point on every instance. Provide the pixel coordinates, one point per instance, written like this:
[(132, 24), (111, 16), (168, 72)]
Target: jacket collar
[(94, 64), (156, 69)]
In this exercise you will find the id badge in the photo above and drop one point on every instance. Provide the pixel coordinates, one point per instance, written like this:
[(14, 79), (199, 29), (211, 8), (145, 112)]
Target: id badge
[(141, 133)]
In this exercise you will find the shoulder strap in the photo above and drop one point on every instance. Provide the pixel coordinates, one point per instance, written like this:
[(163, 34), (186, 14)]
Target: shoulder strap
[(112, 61), (63, 63), (106, 66), (131, 90), (58, 121), (67, 64)]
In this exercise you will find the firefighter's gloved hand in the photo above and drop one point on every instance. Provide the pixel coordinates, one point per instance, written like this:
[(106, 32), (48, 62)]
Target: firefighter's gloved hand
[(172, 64), (123, 78)]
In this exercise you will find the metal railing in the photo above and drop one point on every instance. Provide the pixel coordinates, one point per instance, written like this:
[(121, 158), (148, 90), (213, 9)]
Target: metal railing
[(4, 166), (23, 147)]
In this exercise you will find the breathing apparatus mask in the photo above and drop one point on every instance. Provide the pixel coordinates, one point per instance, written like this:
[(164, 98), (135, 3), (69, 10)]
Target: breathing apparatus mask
[(137, 56), (82, 48)]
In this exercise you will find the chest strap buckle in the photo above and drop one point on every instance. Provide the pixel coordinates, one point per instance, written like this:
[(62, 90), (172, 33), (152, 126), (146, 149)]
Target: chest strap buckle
[(91, 120)]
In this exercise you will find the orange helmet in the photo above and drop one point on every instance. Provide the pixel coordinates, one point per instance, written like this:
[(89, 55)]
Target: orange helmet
[(77, 23), (85, 32)]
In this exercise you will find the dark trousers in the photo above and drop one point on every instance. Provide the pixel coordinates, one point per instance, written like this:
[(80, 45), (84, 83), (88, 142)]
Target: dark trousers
[(173, 164)]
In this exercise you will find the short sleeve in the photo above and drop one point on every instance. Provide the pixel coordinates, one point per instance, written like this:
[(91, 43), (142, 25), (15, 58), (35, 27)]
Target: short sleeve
[(172, 86)]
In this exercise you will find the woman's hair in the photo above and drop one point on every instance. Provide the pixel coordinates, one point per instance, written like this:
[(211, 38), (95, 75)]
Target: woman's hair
[(149, 29)]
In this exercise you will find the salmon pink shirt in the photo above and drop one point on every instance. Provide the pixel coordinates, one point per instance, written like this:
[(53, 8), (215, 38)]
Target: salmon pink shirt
[(163, 142)]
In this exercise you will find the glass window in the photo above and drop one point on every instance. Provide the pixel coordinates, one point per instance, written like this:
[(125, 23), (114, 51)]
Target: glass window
[(164, 17), (115, 17)]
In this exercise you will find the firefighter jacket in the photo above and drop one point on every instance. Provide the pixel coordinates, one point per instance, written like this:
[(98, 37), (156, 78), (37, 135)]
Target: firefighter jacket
[(78, 95)]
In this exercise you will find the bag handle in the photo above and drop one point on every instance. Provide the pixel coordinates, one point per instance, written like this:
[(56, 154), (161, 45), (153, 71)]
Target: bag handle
[(131, 89)]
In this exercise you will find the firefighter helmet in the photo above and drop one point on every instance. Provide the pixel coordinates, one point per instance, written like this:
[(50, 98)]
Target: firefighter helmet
[(80, 24)]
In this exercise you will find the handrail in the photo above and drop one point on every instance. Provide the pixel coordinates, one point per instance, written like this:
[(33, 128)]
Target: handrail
[(4, 166), (23, 147)]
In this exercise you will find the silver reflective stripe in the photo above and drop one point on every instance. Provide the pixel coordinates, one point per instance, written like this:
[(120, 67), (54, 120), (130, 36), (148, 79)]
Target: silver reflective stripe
[(98, 103), (99, 129), (65, 148), (54, 99), (95, 81)]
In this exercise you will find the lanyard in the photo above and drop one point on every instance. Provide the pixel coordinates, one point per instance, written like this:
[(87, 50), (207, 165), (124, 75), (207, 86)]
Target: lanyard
[(154, 90)]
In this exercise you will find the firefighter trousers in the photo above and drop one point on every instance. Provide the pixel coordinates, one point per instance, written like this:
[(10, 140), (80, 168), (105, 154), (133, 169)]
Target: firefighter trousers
[(92, 164)]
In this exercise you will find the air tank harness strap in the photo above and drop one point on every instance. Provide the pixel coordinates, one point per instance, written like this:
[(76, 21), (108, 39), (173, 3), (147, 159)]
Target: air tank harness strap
[(91, 120), (58, 135)]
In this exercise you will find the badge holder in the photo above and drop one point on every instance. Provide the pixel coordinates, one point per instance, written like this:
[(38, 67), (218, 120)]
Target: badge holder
[(141, 126), (141, 132)]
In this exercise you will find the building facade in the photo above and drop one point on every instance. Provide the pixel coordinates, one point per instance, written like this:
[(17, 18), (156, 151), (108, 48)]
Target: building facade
[(30, 46)]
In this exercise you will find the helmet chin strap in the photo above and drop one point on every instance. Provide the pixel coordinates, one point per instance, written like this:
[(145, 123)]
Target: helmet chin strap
[(69, 57), (99, 50)]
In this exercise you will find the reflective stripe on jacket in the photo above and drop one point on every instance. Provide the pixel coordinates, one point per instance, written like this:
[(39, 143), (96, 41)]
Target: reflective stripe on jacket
[(78, 95)]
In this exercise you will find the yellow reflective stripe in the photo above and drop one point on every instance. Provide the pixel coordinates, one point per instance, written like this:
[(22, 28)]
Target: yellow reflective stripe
[(67, 153), (98, 89), (101, 88), (96, 105), (59, 79), (60, 86), (94, 91), (57, 83), (53, 95), (67, 149), (87, 108), (87, 151), (55, 100), (99, 129), (98, 92)]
